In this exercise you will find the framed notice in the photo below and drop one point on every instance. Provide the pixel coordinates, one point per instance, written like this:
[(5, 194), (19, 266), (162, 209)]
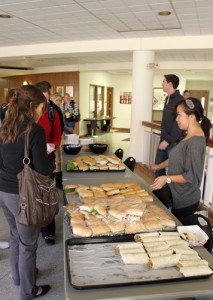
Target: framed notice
[(69, 90), (60, 90), (125, 98), (158, 100)]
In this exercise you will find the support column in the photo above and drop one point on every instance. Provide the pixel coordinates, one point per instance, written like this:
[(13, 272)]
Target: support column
[(142, 92)]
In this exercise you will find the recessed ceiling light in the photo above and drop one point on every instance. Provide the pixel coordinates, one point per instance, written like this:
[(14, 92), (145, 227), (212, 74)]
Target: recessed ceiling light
[(164, 13), (4, 16)]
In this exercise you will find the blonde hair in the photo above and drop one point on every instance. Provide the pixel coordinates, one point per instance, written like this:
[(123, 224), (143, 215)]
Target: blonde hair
[(55, 96)]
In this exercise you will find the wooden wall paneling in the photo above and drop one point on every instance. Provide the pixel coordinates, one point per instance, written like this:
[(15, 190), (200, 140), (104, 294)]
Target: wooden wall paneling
[(56, 79)]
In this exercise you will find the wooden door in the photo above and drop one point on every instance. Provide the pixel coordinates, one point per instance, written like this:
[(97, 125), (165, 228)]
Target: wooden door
[(203, 96), (109, 104)]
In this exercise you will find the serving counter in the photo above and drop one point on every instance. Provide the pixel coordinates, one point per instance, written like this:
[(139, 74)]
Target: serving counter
[(201, 289)]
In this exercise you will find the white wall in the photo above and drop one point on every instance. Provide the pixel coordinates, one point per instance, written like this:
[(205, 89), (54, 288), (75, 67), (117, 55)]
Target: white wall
[(85, 79), (122, 112)]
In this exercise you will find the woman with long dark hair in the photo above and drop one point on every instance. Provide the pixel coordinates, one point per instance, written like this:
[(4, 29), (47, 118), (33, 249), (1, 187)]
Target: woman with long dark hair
[(27, 104), (186, 160)]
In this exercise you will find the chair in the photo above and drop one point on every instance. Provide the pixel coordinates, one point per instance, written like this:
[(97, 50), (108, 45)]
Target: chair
[(130, 163), (207, 228), (119, 153)]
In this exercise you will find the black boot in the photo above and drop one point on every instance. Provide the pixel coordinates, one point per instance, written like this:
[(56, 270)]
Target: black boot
[(59, 180)]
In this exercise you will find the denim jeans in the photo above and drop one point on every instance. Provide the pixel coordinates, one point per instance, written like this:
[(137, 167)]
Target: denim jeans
[(161, 156)]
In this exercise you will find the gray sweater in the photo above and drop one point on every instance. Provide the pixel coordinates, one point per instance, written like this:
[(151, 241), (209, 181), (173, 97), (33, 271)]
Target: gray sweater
[(187, 159)]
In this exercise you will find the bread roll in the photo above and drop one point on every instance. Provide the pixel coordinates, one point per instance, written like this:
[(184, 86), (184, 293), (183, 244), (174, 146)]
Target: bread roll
[(81, 230), (160, 253), (115, 214), (100, 230), (195, 262), (114, 160), (168, 224), (153, 226), (134, 227), (116, 227), (195, 270), (135, 211), (161, 262), (134, 258), (100, 209), (86, 208), (113, 192), (128, 245), (96, 188)]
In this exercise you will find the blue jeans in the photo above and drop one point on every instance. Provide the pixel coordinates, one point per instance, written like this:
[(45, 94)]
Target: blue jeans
[(161, 156), (70, 124), (23, 247)]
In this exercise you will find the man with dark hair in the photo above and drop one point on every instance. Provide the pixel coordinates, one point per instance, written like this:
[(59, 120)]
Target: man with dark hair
[(170, 132), (186, 94)]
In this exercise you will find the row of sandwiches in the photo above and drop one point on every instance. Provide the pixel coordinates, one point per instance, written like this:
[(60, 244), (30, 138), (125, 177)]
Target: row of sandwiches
[(158, 250), (114, 191), (117, 219), (97, 162)]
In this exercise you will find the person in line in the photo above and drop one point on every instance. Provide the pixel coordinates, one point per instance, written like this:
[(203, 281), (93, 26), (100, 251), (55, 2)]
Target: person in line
[(58, 174), (26, 106), (50, 121), (171, 134), (4, 106), (186, 94), (71, 112), (3, 112), (4, 245), (186, 161)]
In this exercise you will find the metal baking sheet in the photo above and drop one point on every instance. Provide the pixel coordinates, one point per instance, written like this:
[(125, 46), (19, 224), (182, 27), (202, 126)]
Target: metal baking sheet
[(96, 171), (98, 265)]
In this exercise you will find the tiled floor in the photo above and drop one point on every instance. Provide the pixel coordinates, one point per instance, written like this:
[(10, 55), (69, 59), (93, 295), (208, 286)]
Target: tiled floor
[(49, 258)]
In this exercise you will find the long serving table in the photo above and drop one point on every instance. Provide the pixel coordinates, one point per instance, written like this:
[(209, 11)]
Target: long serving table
[(201, 289)]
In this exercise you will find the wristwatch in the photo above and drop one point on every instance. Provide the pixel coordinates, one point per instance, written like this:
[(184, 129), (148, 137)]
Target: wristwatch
[(168, 179)]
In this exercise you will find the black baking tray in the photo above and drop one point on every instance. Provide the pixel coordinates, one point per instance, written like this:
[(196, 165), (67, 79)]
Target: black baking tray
[(96, 171), (83, 241)]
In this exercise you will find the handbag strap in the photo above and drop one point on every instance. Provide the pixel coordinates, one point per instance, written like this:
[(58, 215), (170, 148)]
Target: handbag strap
[(26, 159)]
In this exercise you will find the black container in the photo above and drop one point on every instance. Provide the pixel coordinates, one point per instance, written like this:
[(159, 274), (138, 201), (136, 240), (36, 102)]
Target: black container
[(98, 148), (71, 148)]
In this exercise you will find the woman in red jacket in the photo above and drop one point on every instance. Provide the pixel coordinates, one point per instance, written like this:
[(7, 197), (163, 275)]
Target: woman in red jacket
[(50, 121)]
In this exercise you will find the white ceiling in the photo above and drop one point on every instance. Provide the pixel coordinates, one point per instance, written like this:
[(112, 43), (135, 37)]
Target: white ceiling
[(59, 21)]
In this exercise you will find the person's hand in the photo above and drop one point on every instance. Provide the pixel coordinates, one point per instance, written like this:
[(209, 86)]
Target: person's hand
[(158, 183), (163, 145), (71, 130), (153, 167)]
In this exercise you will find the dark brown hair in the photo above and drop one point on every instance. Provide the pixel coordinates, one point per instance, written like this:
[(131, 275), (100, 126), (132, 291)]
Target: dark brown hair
[(23, 104)]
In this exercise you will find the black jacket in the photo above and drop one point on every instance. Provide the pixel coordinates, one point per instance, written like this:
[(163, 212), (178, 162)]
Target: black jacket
[(59, 113), (11, 159), (170, 131)]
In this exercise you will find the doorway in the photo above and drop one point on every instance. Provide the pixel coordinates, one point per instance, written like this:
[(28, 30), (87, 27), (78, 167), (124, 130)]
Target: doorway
[(109, 103), (203, 96), (96, 106)]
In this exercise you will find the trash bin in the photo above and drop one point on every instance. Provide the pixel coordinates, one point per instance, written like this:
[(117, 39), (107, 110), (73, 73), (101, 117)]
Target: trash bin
[(89, 129)]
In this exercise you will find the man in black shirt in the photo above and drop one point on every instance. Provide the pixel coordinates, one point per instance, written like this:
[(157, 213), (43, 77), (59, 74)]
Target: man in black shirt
[(170, 132)]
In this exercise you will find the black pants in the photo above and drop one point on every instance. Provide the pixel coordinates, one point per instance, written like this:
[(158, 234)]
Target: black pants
[(164, 195), (183, 214), (49, 229)]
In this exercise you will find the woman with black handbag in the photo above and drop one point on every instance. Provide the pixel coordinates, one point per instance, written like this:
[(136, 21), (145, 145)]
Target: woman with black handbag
[(26, 106)]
